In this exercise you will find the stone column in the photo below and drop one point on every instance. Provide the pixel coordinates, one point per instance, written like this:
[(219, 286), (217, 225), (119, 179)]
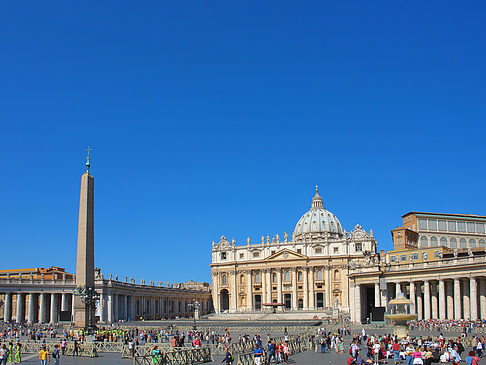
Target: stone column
[(20, 308), (450, 299), (420, 307), (377, 295), (43, 308), (7, 314), (269, 285), (312, 295), (305, 276), (102, 307), (64, 302), (234, 292), (263, 278), (215, 295), (426, 299), (357, 302), (442, 299), (482, 297), (413, 299), (110, 307), (466, 302), (435, 304), (294, 288), (32, 306), (125, 307), (115, 308), (73, 308), (54, 308), (384, 297), (352, 313), (457, 299), (473, 292), (398, 289), (249, 291), (279, 285)]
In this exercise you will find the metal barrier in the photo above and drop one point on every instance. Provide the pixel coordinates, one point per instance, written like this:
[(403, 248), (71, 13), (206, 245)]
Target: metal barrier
[(179, 356), (86, 349)]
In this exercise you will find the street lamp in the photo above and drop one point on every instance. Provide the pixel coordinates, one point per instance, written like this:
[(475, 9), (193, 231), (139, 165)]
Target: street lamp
[(195, 306), (89, 296)]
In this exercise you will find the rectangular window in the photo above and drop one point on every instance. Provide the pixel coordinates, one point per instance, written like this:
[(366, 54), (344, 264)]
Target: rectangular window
[(451, 226), (480, 227), (359, 247), (432, 224), (437, 254), (442, 225), (471, 227), (414, 257), (223, 255), (403, 258), (299, 250), (242, 255), (393, 258), (256, 254), (318, 250), (425, 256), (422, 224), (336, 250), (461, 226)]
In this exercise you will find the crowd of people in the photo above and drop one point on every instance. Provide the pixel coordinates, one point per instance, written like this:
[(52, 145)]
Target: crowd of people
[(375, 349), (442, 325)]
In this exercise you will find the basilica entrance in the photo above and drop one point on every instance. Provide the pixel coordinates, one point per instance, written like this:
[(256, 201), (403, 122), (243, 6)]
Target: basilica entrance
[(224, 300), (258, 302), (288, 301), (320, 300)]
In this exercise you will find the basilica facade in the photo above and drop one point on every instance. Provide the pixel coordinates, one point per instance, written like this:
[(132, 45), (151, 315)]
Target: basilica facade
[(438, 262), (307, 271)]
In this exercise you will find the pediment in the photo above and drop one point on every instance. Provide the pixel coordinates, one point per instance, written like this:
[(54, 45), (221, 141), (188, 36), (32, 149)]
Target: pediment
[(286, 254)]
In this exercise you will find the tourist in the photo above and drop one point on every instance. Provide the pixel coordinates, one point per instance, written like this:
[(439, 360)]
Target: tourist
[(472, 359), (228, 357), (455, 357), (271, 351), (155, 355), (43, 356), (3, 354), (417, 357), (396, 352), (76, 348), (376, 352), (56, 355), (257, 354), (18, 359)]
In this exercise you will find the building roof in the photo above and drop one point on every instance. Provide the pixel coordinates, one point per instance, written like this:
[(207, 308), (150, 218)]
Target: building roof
[(446, 215), (318, 219)]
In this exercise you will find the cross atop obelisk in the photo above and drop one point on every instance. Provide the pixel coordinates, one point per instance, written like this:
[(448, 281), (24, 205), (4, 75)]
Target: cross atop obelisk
[(84, 312)]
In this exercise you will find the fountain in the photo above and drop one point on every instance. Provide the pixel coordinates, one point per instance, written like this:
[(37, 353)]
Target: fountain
[(399, 313)]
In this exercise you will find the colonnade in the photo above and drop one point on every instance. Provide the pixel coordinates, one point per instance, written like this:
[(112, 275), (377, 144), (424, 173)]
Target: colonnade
[(36, 307), (437, 298)]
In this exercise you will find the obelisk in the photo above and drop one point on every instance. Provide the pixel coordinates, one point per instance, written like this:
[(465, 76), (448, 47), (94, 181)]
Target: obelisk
[(85, 252)]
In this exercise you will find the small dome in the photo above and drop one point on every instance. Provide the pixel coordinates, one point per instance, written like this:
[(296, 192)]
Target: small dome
[(318, 219)]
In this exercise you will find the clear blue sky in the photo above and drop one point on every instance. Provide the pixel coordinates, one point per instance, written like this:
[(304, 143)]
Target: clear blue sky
[(211, 118)]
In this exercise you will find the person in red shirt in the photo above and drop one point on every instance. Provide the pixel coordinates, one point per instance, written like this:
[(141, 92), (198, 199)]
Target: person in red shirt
[(396, 352)]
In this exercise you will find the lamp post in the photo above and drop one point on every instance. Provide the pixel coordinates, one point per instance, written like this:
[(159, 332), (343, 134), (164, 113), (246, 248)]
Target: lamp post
[(89, 296), (195, 306)]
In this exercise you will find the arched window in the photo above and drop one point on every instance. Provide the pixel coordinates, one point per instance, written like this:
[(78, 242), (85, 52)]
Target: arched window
[(319, 274), (300, 276), (472, 243), (481, 243), (433, 241), (443, 241), (242, 279), (453, 243), (462, 243), (336, 275), (257, 277), (287, 276), (224, 279), (424, 242)]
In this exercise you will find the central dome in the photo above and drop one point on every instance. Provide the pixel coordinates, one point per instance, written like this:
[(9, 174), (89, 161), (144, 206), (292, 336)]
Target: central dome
[(318, 219)]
